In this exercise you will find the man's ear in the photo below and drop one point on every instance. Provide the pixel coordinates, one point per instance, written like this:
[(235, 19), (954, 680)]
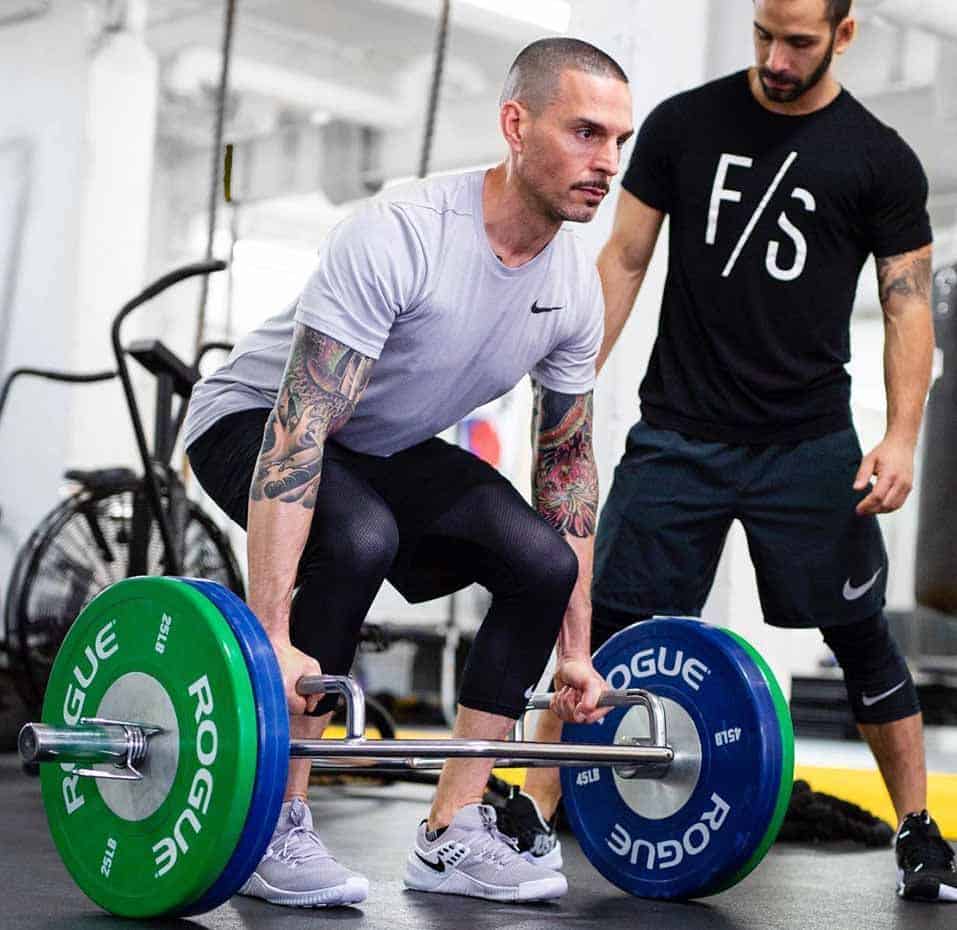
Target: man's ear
[(512, 120), (844, 35)]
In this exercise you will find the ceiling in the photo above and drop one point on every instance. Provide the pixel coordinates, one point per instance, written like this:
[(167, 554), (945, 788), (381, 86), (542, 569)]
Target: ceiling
[(372, 58), (370, 61)]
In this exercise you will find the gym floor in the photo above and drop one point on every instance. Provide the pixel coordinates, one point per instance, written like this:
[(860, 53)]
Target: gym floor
[(371, 828)]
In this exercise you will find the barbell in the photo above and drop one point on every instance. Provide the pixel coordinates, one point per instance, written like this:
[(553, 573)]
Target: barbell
[(164, 748)]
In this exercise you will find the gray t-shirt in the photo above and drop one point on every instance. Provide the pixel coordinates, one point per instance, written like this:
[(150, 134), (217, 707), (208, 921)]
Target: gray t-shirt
[(409, 279)]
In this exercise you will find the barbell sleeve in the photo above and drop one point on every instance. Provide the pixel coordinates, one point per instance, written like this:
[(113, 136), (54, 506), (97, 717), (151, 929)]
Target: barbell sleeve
[(88, 743)]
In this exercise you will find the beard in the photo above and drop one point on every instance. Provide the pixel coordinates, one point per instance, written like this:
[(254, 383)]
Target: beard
[(556, 206), (798, 88)]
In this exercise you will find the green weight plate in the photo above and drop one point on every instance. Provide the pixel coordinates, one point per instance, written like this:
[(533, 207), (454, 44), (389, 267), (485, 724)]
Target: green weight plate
[(155, 651), (787, 766)]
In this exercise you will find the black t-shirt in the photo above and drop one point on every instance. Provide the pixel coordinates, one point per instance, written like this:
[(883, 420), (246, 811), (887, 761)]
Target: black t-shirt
[(771, 220)]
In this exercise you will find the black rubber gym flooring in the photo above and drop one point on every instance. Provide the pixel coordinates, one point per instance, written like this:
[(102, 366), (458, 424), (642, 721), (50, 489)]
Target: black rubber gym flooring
[(370, 828)]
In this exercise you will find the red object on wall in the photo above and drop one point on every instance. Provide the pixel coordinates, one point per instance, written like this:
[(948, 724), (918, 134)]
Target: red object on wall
[(483, 441)]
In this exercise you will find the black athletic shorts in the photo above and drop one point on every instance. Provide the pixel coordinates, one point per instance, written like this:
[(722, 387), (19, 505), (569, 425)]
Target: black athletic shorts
[(418, 485), (664, 524)]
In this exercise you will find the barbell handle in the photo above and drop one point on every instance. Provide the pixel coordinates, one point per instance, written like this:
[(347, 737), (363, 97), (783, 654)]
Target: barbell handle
[(627, 697), (349, 688), (356, 703)]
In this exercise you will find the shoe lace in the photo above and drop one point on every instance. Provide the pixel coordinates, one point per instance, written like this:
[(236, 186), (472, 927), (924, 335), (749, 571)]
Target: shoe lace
[(496, 847), (300, 844)]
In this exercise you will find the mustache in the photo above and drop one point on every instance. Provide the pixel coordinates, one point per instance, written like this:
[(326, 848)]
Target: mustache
[(779, 78)]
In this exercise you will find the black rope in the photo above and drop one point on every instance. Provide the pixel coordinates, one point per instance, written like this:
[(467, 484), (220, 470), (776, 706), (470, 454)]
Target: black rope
[(227, 46), (438, 66)]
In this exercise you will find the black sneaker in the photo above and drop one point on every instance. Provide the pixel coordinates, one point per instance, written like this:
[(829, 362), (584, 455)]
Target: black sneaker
[(537, 841), (925, 861)]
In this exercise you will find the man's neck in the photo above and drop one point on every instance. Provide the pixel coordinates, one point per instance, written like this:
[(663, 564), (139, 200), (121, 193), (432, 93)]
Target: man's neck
[(821, 95), (516, 230)]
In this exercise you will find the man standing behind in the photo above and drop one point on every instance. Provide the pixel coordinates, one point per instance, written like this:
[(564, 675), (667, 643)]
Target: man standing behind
[(778, 185)]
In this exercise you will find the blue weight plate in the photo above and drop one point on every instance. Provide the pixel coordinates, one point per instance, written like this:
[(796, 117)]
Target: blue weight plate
[(273, 755), (680, 836)]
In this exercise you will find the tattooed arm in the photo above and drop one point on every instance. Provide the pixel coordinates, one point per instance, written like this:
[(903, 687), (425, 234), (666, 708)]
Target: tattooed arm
[(565, 491), (904, 282), (321, 386)]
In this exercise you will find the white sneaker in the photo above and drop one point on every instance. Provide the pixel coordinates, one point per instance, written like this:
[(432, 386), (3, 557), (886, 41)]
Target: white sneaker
[(470, 857), (298, 870)]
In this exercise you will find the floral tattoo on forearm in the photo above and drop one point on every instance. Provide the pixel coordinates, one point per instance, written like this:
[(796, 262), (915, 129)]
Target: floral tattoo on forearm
[(564, 479), (323, 382)]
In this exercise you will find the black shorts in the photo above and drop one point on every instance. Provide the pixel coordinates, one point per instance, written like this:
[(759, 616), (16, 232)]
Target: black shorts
[(663, 527), (431, 519), (418, 485)]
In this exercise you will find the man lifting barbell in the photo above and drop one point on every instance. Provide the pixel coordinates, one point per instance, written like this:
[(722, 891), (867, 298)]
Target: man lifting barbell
[(778, 184), (425, 304)]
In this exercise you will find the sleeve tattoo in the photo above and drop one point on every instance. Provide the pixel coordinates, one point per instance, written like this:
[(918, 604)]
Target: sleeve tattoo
[(906, 275), (321, 387), (565, 479)]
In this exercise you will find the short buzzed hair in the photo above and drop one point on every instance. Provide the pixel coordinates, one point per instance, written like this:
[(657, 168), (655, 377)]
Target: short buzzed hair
[(837, 11), (534, 76)]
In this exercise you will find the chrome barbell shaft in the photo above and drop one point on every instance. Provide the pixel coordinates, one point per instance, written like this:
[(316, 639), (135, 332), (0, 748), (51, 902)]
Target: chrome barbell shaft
[(557, 754)]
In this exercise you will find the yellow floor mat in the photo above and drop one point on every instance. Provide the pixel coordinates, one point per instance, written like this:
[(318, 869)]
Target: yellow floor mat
[(866, 788)]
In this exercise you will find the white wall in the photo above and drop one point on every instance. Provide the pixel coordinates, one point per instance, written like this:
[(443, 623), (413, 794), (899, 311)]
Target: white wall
[(44, 73), (120, 124), (663, 51)]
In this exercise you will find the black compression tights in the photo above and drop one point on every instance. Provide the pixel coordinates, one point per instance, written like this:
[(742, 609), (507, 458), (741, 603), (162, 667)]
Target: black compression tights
[(490, 536)]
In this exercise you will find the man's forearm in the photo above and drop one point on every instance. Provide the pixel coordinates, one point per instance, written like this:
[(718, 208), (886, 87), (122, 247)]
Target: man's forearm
[(322, 384), (574, 638), (565, 490), (620, 285), (908, 339), (281, 505), (277, 537), (565, 479), (908, 359)]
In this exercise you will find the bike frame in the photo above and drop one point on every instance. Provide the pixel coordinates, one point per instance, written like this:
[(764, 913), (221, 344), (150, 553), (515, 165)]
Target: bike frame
[(166, 434)]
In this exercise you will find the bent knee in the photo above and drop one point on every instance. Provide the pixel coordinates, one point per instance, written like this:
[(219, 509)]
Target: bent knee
[(879, 684), (550, 565)]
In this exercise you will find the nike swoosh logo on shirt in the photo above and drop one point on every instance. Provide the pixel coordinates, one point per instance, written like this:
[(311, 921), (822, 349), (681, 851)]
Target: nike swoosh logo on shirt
[(537, 309), (434, 866), (852, 594), (869, 701)]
